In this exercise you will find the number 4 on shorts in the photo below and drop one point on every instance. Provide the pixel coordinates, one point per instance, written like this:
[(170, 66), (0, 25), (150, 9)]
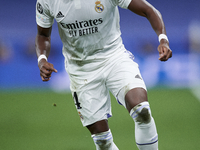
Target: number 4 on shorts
[(76, 101)]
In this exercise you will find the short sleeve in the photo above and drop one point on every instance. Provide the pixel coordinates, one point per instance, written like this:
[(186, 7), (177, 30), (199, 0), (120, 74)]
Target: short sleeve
[(121, 3), (43, 15)]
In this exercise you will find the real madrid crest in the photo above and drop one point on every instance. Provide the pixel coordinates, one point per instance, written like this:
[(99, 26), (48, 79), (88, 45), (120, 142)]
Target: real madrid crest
[(98, 6), (81, 116)]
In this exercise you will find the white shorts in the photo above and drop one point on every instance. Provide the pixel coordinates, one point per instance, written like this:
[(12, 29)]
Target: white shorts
[(91, 95)]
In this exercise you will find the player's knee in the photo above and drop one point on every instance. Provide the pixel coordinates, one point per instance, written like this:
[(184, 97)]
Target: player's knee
[(103, 144), (103, 140), (141, 113)]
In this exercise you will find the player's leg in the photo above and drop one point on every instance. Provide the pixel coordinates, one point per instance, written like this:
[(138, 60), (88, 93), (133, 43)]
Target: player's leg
[(98, 127), (126, 83), (102, 135), (93, 104), (145, 130)]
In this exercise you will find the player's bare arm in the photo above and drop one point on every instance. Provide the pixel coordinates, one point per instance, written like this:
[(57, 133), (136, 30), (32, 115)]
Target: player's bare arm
[(43, 46), (143, 8)]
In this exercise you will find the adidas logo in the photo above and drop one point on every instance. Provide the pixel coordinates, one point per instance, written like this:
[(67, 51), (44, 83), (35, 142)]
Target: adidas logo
[(137, 76), (59, 15)]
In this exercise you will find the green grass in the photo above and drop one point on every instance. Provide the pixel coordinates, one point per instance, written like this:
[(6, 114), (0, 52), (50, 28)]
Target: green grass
[(29, 121)]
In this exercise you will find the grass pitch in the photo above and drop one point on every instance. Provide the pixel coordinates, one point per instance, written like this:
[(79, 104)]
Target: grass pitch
[(30, 121)]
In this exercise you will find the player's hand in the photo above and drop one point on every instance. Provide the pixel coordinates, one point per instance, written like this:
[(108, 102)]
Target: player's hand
[(46, 69), (164, 51)]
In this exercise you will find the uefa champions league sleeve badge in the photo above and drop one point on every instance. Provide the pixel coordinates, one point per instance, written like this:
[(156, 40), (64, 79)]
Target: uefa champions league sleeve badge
[(39, 8), (98, 6)]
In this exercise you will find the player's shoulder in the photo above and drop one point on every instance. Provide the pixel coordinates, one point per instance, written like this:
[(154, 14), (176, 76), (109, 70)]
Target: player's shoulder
[(46, 2), (121, 3), (46, 5)]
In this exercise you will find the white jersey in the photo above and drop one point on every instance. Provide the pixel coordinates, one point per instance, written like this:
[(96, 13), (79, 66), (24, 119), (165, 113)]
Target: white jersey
[(89, 29)]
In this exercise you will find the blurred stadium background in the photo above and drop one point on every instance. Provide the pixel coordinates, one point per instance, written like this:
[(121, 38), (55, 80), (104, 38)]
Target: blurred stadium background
[(28, 119)]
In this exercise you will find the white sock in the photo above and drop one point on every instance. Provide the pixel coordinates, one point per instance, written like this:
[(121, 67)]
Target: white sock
[(104, 141), (145, 129)]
